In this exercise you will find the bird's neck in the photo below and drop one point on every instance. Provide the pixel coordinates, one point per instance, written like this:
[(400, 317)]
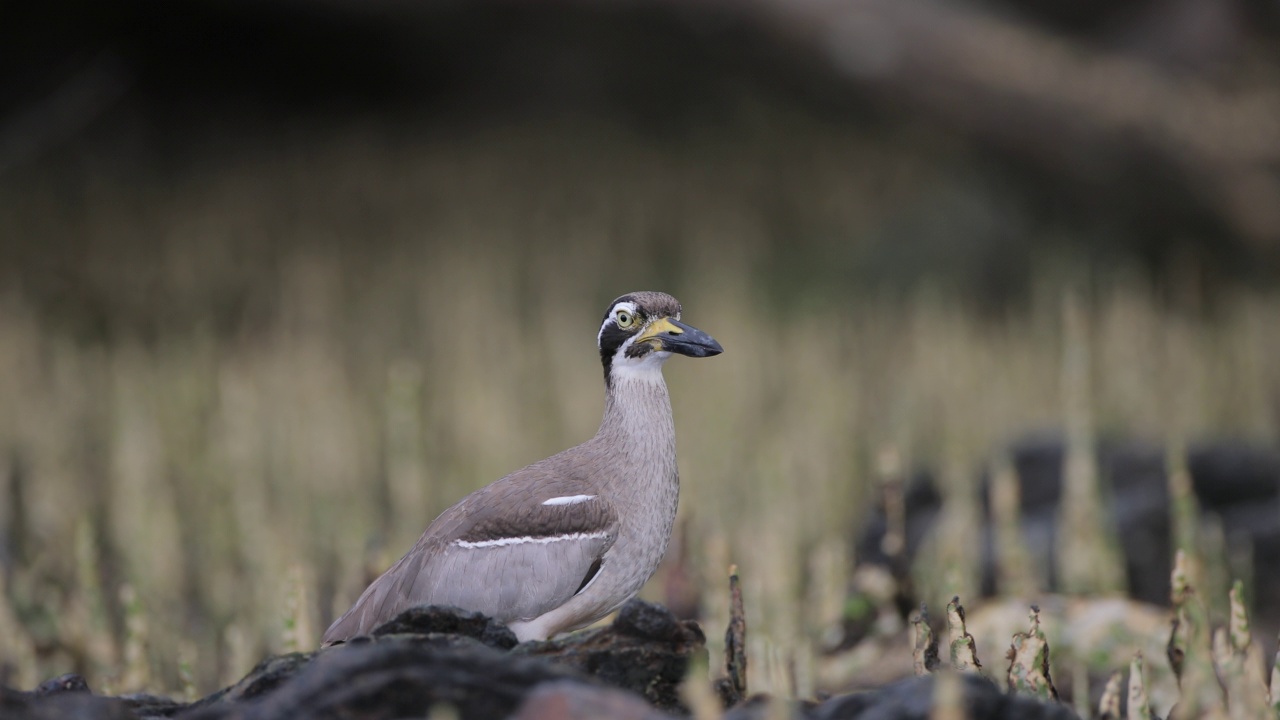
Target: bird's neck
[(643, 483), (637, 422)]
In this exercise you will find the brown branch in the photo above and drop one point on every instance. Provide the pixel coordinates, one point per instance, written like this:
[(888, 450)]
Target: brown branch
[(1089, 113), (733, 688)]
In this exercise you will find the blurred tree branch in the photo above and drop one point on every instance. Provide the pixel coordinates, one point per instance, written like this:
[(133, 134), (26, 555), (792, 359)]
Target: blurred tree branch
[(1093, 114), (1178, 146), (64, 112)]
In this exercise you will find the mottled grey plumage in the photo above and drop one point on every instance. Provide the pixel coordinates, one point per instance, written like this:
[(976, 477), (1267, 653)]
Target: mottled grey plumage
[(546, 568)]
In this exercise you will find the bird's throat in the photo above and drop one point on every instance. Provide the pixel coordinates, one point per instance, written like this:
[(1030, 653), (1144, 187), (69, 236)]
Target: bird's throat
[(637, 422)]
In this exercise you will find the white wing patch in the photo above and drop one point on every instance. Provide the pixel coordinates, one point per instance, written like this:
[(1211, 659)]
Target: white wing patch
[(503, 542), (568, 500)]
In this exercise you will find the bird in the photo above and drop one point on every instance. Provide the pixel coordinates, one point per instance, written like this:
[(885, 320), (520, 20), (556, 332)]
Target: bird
[(561, 543)]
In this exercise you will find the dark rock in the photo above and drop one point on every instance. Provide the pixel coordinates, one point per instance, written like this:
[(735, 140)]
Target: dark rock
[(437, 640), (626, 655), (1239, 483), (153, 706), (71, 682), (396, 677), (74, 705), (424, 657), (443, 620), (577, 701), (647, 621), (910, 699), (262, 679), (644, 656), (923, 502)]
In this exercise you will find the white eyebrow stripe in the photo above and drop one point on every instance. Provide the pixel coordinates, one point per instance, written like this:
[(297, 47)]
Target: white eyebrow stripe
[(503, 542), (568, 500)]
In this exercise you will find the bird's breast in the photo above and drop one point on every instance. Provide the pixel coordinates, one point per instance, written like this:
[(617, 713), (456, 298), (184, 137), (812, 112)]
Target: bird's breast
[(645, 527)]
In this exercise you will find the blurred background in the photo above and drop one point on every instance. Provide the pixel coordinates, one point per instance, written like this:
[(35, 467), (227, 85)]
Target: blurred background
[(280, 281)]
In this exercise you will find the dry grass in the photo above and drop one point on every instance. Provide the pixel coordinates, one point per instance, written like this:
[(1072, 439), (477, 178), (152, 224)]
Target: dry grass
[(215, 484)]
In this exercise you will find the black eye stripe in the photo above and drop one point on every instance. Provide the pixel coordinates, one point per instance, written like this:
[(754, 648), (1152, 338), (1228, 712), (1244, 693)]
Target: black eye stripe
[(612, 338)]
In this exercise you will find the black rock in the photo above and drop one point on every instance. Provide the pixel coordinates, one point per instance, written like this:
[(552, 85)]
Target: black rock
[(15, 705), (444, 620), (396, 677), (262, 679), (910, 699), (144, 705), (424, 657), (648, 621), (71, 682), (578, 701), (648, 653), (606, 672), (1235, 481)]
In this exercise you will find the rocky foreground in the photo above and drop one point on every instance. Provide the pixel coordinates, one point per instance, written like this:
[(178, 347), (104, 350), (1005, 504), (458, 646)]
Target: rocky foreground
[(433, 657)]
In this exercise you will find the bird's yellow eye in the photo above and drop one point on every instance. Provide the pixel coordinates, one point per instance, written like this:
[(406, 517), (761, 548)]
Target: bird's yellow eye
[(625, 319)]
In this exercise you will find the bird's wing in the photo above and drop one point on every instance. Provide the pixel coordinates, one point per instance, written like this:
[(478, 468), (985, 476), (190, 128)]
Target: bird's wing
[(513, 550)]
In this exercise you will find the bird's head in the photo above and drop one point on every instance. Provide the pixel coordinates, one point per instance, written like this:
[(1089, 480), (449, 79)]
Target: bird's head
[(640, 331)]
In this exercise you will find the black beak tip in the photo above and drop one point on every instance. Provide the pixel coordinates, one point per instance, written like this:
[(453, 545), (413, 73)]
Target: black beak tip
[(691, 342), (711, 348)]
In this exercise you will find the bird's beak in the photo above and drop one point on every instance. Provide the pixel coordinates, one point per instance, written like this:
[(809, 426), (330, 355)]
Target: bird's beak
[(674, 336)]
